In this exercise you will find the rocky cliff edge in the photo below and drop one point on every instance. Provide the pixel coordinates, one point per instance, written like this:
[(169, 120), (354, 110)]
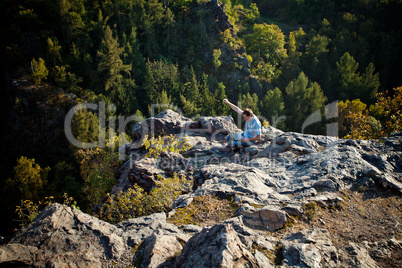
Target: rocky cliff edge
[(272, 183)]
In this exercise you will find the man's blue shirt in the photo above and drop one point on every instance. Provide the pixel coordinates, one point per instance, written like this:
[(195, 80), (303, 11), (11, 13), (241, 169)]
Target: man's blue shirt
[(253, 128)]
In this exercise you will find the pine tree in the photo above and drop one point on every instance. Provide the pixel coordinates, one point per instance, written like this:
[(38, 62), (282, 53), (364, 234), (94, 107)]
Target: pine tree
[(352, 84), (40, 72), (207, 104), (190, 99), (163, 102), (272, 105), (220, 95), (53, 51), (29, 179), (251, 102), (349, 78), (303, 98), (150, 85), (110, 63)]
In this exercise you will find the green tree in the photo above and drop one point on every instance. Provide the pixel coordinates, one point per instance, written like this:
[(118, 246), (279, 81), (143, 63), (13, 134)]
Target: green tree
[(85, 126), (208, 101), (40, 72), (315, 60), (190, 99), (215, 58), (29, 179), (250, 101), (53, 51), (72, 15), (163, 101), (272, 105), (110, 63), (352, 84), (267, 42), (302, 99), (220, 95), (162, 75)]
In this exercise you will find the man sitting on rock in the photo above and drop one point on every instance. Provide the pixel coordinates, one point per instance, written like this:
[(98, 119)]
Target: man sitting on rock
[(253, 128)]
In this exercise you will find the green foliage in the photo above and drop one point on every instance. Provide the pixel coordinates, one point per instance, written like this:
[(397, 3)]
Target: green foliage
[(40, 72), (249, 101), (191, 101), (208, 100), (97, 167), (272, 105), (303, 98), (53, 51), (162, 76), (215, 58), (135, 202), (353, 85), (267, 41), (204, 209), (85, 126), (382, 119), (220, 95), (171, 143), (110, 62), (28, 210), (29, 179)]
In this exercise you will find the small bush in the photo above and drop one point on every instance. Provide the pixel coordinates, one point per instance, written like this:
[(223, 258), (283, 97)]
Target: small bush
[(310, 210), (135, 202), (155, 146), (204, 209)]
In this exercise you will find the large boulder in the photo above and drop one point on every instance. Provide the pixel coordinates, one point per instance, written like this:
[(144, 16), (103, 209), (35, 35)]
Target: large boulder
[(61, 235), (246, 183), (160, 250), (359, 257), (66, 237), (297, 143), (268, 134), (267, 218), (167, 122), (309, 248), (214, 125), (218, 246)]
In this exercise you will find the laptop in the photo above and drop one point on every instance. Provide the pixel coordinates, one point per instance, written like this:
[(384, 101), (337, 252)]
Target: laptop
[(236, 136)]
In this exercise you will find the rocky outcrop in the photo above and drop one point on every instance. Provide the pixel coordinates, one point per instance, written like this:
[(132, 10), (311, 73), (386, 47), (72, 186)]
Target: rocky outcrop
[(219, 246), (309, 248), (165, 123), (270, 183), (66, 237)]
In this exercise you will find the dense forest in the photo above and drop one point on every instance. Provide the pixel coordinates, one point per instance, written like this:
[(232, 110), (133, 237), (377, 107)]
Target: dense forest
[(284, 59)]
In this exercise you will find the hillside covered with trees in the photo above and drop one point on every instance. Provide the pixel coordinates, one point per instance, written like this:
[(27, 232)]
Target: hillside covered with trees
[(285, 59)]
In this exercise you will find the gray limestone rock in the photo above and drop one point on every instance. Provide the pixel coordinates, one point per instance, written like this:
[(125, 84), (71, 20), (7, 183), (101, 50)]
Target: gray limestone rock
[(138, 229), (218, 246), (159, 250), (66, 237), (359, 257), (267, 218), (166, 122), (309, 248), (214, 125)]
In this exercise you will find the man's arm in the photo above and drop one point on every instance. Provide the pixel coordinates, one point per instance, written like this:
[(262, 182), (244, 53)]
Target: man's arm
[(234, 107)]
